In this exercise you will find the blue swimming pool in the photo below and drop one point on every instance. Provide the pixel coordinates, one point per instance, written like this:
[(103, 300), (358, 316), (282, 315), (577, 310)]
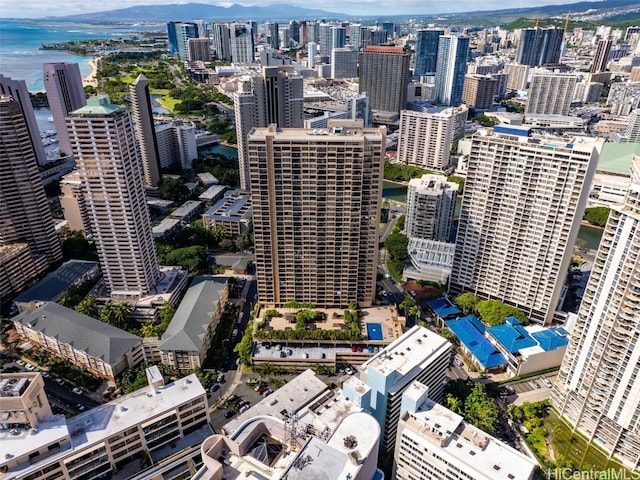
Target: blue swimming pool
[(374, 330)]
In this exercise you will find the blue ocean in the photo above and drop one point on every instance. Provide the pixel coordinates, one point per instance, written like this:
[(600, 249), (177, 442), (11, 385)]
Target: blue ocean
[(20, 41)]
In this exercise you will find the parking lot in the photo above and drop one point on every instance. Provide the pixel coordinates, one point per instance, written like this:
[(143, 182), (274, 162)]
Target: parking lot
[(64, 397)]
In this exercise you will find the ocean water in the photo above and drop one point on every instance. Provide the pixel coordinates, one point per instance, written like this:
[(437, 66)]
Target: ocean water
[(20, 41)]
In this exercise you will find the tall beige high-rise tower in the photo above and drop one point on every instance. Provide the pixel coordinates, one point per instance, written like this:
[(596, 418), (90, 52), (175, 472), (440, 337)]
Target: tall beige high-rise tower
[(65, 93), (110, 168), (550, 93), (24, 210), (523, 202), (384, 75), (598, 386), (316, 209)]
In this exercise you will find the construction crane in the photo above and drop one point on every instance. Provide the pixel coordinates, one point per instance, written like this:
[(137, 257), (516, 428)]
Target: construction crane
[(566, 27)]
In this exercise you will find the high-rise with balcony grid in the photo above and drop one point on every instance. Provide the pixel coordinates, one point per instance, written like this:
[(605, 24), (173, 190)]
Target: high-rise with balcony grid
[(109, 165), (24, 211), (524, 198), (316, 198), (598, 386)]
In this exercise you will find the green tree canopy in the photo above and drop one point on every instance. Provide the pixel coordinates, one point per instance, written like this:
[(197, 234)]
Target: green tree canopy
[(597, 215), (494, 312), (193, 258), (467, 301), (173, 189), (470, 400)]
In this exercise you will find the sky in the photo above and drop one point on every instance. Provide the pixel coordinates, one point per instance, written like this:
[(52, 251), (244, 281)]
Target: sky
[(43, 8)]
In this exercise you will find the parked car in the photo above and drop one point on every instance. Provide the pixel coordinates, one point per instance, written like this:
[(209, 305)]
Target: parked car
[(214, 387), (77, 391), (482, 376), (20, 362), (229, 414), (220, 378), (28, 366), (535, 384), (349, 371), (45, 374), (546, 382), (244, 408), (267, 392), (262, 389), (59, 381)]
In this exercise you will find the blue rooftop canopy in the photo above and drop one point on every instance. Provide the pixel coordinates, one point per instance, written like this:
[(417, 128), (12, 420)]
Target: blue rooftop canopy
[(443, 308), (512, 335), (466, 330)]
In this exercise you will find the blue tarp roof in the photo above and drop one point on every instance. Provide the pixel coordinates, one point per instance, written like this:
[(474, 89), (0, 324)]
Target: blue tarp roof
[(443, 307), (551, 338), (512, 335), (465, 329)]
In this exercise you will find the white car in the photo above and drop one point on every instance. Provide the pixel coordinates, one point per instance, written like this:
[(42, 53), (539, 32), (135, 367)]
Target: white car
[(28, 366), (20, 362), (77, 391), (59, 381)]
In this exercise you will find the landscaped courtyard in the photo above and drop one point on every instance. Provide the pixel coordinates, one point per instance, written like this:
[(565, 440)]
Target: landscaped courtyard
[(578, 453)]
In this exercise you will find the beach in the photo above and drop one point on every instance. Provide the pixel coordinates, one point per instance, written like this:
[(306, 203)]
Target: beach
[(91, 79)]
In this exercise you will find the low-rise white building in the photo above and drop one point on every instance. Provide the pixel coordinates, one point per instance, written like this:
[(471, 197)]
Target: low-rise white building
[(434, 442), (159, 422)]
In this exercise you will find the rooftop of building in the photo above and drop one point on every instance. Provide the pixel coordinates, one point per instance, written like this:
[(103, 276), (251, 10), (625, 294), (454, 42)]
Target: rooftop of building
[(443, 307), (133, 409), (186, 209), (556, 118), (291, 398), (474, 451), (413, 351), (616, 158), (333, 133), (167, 224), (431, 252), (98, 106), (235, 204), (512, 335), (95, 425), (470, 332), (19, 442), (97, 339), (431, 183), (515, 338), (56, 283), (193, 316), (386, 317), (383, 49), (560, 144), (333, 437), (207, 179), (214, 191)]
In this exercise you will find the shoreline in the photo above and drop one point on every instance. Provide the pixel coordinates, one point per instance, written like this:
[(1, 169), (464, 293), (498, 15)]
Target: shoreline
[(91, 79)]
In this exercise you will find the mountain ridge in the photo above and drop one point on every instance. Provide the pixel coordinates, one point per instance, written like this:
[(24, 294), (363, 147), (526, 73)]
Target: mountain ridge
[(190, 11)]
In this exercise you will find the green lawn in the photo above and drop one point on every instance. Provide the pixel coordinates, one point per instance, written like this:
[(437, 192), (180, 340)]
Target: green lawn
[(575, 448), (168, 102)]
